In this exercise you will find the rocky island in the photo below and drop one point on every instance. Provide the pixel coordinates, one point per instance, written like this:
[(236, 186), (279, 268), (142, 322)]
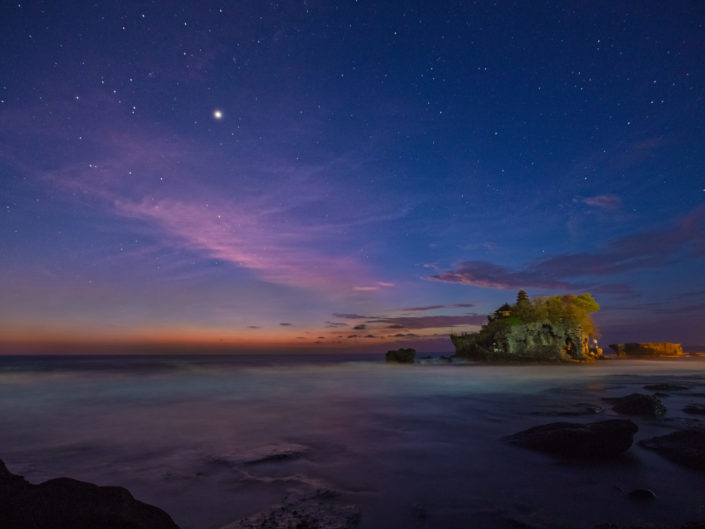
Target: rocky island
[(401, 356), (647, 349), (546, 329)]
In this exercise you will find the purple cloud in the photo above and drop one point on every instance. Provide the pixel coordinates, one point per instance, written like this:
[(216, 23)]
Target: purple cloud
[(427, 322), (644, 249), (606, 202), (489, 275), (434, 307), (162, 182)]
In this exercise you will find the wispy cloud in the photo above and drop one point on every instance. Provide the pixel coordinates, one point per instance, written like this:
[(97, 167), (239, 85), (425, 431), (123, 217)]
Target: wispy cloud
[(283, 254), (606, 202), (287, 232), (644, 249), (372, 288), (490, 275), (351, 316), (428, 322), (434, 307)]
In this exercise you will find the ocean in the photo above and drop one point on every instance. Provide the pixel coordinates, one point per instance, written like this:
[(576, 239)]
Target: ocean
[(211, 439)]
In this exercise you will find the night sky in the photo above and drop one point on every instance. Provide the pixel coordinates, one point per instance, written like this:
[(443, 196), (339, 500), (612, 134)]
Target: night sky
[(349, 175)]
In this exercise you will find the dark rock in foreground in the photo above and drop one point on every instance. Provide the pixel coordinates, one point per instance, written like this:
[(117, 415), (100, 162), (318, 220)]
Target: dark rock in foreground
[(642, 495), (638, 404), (602, 439), (647, 349), (322, 510), (686, 447), (65, 503), (401, 356)]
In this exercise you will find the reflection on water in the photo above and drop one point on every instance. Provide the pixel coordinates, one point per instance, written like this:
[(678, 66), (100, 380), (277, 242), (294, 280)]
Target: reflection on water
[(212, 439)]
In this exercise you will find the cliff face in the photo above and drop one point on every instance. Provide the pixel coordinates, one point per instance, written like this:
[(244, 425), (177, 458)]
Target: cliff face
[(647, 349), (537, 341)]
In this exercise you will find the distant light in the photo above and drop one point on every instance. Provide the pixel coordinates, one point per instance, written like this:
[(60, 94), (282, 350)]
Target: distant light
[(218, 114)]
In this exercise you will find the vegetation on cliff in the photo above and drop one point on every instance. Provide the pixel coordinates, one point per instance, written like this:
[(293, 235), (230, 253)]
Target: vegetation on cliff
[(567, 310), (545, 328)]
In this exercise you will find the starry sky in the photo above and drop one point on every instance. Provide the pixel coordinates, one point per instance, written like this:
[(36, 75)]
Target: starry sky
[(347, 176)]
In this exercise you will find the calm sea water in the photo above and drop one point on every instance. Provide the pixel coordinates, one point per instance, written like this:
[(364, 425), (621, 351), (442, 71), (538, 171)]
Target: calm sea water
[(413, 446)]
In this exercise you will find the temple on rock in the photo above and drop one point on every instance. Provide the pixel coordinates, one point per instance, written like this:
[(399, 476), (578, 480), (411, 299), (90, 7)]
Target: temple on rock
[(554, 329)]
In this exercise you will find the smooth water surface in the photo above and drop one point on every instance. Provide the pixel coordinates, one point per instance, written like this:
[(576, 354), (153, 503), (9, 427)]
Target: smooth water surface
[(413, 446)]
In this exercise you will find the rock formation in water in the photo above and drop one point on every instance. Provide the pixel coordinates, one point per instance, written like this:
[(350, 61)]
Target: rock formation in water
[(602, 439), (65, 503), (638, 404), (647, 349), (554, 329), (685, 447), (401, 356), (537, 341)]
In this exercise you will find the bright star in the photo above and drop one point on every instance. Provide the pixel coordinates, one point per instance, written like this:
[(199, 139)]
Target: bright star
[(218, 114)]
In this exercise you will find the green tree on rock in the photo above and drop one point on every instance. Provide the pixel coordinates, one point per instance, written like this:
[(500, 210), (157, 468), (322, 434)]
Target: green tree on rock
[(523, 309)]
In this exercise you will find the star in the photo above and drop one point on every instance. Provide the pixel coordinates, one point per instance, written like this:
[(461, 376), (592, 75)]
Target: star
[(218, 114)]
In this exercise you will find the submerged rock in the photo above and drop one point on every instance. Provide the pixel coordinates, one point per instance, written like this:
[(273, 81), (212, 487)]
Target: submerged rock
[(576, 410), (602, 439), (401, 356), (65, 503), (274, 453), (642, 495), (638, 404), (686, 447), (696, 409), (322, 510), (647, 349)]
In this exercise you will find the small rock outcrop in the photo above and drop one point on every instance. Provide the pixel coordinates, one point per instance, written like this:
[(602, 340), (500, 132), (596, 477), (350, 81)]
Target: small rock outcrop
[(602, 439), (642, 495), (536, 341), (65, 503), (685, 447), (647, 349), (401, 356), (638, 404)]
